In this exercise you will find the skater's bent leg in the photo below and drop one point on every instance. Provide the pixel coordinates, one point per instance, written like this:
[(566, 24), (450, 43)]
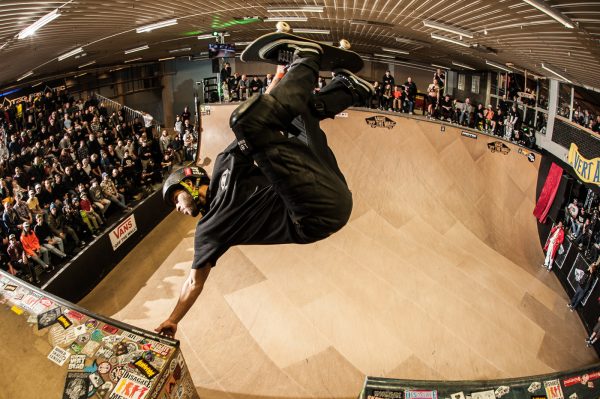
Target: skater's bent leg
[(295, 89)]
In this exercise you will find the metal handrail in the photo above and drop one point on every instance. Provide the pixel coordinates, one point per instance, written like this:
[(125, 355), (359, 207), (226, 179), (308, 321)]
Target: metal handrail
[(128, 112)]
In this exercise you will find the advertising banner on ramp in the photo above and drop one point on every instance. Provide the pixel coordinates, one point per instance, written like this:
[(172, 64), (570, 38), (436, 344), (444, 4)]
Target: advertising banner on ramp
[(122, 232)]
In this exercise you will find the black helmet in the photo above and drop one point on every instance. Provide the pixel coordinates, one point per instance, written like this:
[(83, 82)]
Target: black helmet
[(197, 177)]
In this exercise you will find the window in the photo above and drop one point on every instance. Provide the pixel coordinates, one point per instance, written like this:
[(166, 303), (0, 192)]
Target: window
[(475, 84), (461, 82)]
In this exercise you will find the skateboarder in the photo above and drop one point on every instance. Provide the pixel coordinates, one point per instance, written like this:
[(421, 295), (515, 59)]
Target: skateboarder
[(278, 182)]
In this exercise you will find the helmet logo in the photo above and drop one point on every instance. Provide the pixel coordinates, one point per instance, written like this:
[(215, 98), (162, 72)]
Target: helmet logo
[(224, 179)]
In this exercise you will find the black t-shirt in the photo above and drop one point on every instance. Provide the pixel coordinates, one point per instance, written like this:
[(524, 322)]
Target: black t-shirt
[(244, 209)]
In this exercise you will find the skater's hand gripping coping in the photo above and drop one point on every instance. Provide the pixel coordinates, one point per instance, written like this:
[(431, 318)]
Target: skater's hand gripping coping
[(167, 328)]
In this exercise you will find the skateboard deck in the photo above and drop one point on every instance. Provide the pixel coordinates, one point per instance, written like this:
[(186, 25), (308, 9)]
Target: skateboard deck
[(332, 58)]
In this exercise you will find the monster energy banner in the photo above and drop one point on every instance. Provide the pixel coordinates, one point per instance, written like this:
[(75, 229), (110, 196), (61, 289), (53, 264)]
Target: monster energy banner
[(588, 170)]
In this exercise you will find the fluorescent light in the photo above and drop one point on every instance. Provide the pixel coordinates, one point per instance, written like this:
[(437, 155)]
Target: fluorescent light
[(296, 9), (133, 50), (447, 39), (288, 18), (498, 66), (158, 25), (393, 50), (133, 59), (458, 64), (86, 65), (550, 12), (439, 66), (447, 28), (241, 44), (206, 36), (46, 19), (556, 73), (116, 69), (178, 50), (70, 53), (25, 76), (315, 31), (166, 58), (384, 55), (36, 85), (80, 75), (4, 45)]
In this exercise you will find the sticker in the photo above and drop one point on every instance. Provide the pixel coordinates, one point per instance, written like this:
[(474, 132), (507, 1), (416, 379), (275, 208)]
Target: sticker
[(111, 340), (116, 373), (161, 349), (76, 386), (91, 324), (380, 121), (77, 362), (148, 356), (83, 338), (483, 395), (58, 336), (97, 336), (74, 315), (91, 368), (458, 395), (498, 146), (76, 348), (58, 356), (113, 361), (501, 391), (96, 380), (121, 349), (104, 353), (584, 379), (64, 321), (553, 389), (534, 386), (90, 348), (48, 318), (131, 386), (17, 310), (110, 329), (131, 347), (145, 368), (573, 396), (131, 336), (79, 330), (104, 368), (10, 287), (468, 134), (105, 389)]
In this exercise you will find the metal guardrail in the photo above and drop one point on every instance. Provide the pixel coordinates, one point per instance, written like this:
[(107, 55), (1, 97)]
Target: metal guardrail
[(128, 113), (567, 132)]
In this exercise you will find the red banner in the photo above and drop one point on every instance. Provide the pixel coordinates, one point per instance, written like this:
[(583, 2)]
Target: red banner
[(548, 193)]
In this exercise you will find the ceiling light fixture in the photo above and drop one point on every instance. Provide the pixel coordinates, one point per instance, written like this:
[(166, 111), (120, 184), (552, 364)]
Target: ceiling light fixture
[(439, 66), (36, 85), (166, 59), (497, 66), (206, 36), (158, 25), (133, 59), (133, 50), (551, 13), (449, 40), (384, 55), (70, 53), (179, 50), (556, 73), (315, 31), (87, 65), (393, 50), (4, 45), (80, 75), (241, 44), (288, 18), (458, 64), (28, 74), (447, 28), (46, 19), (296, 9)]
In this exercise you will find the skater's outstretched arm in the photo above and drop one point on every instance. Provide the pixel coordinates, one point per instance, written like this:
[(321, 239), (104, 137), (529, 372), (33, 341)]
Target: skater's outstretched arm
[(277, 78), (192, 287)]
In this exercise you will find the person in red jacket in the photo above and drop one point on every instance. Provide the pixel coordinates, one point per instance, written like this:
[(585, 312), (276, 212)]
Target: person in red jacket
[(555, 239), (32, 247)]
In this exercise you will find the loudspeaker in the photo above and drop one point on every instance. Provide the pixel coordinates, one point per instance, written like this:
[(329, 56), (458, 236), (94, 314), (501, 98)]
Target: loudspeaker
[(215, 65)]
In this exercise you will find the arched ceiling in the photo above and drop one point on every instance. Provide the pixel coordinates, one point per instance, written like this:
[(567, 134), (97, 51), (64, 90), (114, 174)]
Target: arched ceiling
[(504, 31)]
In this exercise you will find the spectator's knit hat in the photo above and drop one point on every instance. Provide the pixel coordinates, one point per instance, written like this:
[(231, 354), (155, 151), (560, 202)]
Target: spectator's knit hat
[(52, 206), (26, 224), (83, 195), (104, 174), (12, 237), (75, 200)]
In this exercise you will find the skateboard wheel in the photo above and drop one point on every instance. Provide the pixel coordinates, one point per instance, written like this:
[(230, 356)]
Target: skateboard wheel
[(283, 26), (345, 44)]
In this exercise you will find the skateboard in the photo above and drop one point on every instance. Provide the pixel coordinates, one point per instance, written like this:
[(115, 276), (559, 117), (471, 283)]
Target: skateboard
[(332, 58)]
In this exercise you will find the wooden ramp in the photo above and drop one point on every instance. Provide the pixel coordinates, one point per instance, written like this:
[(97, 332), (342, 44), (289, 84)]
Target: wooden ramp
[(436, 276)]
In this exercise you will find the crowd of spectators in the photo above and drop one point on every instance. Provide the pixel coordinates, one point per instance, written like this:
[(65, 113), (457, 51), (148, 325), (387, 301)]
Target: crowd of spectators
[(583, 117), (65, 166)]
